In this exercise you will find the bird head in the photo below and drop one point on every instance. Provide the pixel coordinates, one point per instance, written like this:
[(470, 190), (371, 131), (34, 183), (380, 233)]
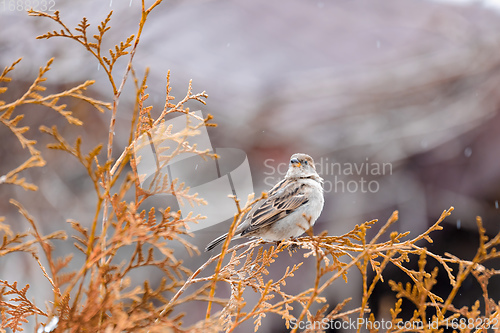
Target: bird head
[(301, 165)]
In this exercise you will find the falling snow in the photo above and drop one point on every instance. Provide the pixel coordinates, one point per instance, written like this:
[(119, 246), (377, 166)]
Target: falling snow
[(468, 152)]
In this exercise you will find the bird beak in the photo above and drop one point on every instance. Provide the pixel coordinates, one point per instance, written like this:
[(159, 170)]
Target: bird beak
[(295, 162)]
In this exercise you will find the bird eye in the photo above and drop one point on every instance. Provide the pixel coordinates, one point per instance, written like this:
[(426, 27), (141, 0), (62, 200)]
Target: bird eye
[(305, 162)]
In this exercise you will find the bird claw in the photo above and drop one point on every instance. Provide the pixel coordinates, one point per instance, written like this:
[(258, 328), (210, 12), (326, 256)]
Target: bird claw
[(292, 248)]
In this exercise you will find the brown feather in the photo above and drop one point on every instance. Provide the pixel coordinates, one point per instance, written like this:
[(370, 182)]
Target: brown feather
[(283, 200)]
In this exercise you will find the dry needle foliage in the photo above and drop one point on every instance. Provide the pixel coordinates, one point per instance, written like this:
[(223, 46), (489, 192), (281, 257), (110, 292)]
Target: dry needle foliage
[(99, 296)]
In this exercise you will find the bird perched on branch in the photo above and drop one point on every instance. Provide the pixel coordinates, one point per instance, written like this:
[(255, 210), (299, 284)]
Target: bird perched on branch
[(291, 207)]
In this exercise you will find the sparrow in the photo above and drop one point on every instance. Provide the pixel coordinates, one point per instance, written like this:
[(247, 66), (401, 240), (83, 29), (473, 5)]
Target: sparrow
[(291, 207)]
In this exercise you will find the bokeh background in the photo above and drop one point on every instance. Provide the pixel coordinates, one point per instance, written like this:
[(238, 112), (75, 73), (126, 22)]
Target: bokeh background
[(414, 85)]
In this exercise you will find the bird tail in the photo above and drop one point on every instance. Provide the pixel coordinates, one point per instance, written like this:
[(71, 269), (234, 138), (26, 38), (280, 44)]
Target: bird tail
[(215, 242)]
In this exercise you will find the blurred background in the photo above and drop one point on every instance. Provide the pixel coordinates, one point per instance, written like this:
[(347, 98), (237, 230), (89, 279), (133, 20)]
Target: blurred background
[(396, 100)]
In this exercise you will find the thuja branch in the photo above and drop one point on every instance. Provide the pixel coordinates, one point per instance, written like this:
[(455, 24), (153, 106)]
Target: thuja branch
[(236, 221), (168, 109), (192, 279)]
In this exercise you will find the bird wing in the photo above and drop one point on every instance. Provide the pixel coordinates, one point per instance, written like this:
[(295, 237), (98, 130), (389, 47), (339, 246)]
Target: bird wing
[(284, 199)]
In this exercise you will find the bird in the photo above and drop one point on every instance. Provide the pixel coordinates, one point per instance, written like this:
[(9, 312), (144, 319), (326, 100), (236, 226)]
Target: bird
[(292, 206)]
